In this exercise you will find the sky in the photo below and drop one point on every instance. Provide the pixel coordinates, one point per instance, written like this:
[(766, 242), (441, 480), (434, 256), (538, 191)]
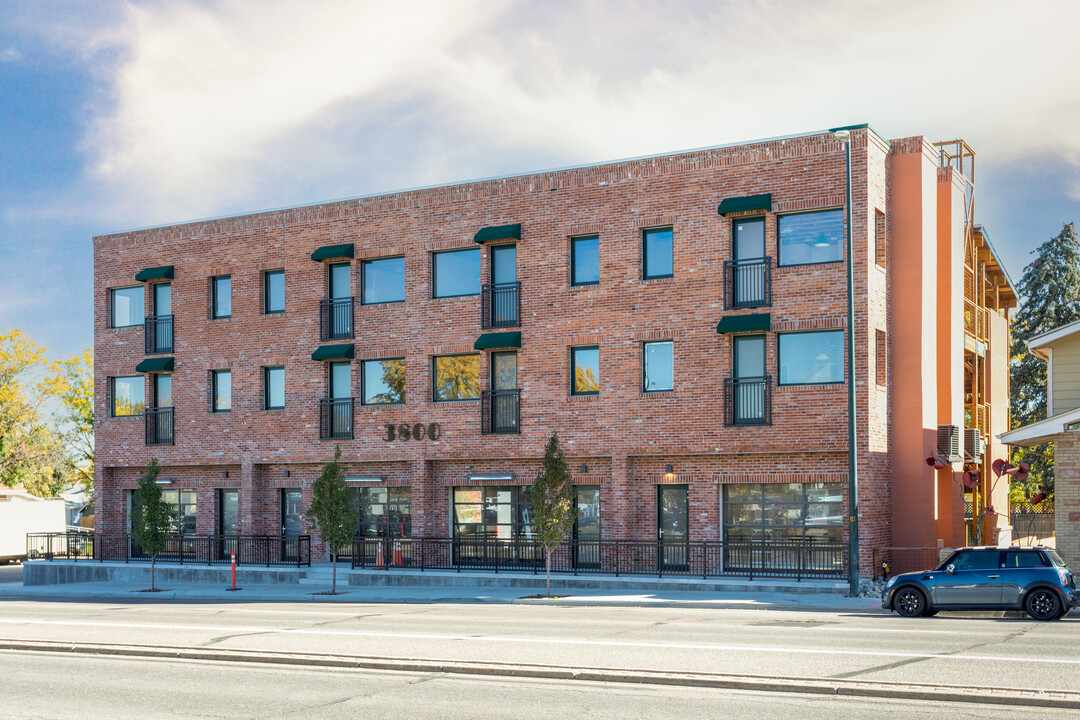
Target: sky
[(120, 115)]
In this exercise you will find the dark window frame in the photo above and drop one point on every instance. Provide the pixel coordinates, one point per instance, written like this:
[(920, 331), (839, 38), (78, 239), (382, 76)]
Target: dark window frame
[(779, 254), (214, 297), (266, 387), (112, 306), (214, 374), (644, 368), (363, 279), (645, 253), (434, 387), (330, 379), (573, 260), (266, 292), (764, 233), (363, 381), (573, 369), (112, 395), (435, 274), (843, 357)]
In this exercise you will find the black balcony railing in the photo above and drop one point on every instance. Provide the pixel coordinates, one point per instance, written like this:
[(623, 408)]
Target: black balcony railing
[(159, 426), (336, 319), (748, 401), (263, 550), (336, 419), (500, 305), (500, 412), (747, 283), (158, 334), (746, 558)]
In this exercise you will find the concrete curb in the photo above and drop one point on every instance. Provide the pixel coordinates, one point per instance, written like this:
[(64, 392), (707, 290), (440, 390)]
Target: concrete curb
[(820, 686)]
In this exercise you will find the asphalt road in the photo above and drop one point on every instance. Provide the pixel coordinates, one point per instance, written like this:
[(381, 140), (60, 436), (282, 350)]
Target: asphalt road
[(947, 649), (46, 685)]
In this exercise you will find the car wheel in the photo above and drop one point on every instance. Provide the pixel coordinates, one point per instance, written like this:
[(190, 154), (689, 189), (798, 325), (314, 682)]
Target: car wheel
[(909, 602), (1042, 604)]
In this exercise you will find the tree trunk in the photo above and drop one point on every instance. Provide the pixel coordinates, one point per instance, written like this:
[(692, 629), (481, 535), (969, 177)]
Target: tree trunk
[(547, 564), (333, 583)]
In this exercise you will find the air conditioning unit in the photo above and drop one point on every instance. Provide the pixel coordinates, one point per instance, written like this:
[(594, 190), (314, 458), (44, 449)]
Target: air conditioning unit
[(948, 442), (972, 445)]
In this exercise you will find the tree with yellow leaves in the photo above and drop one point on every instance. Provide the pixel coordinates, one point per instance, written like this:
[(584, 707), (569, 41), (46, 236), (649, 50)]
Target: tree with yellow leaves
[(71, 382)]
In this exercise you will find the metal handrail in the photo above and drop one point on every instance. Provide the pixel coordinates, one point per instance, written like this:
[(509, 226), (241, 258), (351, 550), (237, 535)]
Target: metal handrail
[(266, 550), (500, 412), (748, 401), (160, 426), (747, 283), (336, 418)]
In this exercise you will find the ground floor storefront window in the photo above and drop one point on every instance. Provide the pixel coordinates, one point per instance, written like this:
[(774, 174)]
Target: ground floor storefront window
[(383, 511)]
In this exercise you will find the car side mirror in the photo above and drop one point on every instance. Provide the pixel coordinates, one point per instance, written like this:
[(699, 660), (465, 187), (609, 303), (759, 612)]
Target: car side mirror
[(950, 569)]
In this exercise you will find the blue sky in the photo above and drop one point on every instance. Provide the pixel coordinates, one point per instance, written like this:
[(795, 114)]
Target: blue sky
[(117, 115)]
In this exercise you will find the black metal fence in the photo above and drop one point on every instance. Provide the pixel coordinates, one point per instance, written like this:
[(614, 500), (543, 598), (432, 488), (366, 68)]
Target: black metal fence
[(500, 305), (159, 426), (747, 283), (888, 561), (791, 559), (748, 401), (158, 334), (336, 319), (266, 550), (500, 412), (336, 418)]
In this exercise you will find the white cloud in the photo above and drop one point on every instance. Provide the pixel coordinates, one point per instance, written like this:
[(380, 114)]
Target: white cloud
[(10, 55)]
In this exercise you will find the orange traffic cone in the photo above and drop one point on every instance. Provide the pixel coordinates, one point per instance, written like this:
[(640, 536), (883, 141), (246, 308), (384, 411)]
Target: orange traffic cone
[(379, 562), (398, 562)]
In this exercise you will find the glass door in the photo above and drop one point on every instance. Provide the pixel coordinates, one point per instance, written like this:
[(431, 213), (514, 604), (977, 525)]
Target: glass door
[(749, 379), (340, 305), (504, 398), (748, 251), (162, 326), (587, 527), (673, 520), (292, 523), (228, 518), (504, 298)]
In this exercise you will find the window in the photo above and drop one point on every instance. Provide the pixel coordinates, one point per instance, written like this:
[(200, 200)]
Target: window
[(221, 296), (585, 260), (383, 511), (456, 273), (455, 377), (383, 381), (585, 370), (812, 358), (658, 366), (785, 511), (656, 253), (127, 306), (339, 278), (491, 513), (383, 281), (220, 390), (807, 238), (181, 502), (273, 388), (881, 357), (128, 395), (274, 292), (880, 237), (340, 379), (975, 560), (1025, 559)]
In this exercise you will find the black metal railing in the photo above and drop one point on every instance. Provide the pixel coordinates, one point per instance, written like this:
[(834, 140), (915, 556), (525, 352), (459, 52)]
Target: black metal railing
[(500, 305), (158, 334), (336, 319), (159, 426), (747, 283), (500, 412), (763, 558), (266, 550), (748, 401), (336, 418)]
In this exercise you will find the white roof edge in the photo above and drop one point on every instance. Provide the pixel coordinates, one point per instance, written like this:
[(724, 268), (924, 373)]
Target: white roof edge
[(1051, 336), (1039, 432)]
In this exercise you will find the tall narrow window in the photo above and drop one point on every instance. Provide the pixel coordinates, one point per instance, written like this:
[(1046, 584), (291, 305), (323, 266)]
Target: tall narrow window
[(658, 366), (221, 390), (880, 237), (127, 306), (585, 260), (881, 357), (340, 380), (657, 253), (383, 281), (221, 296), (585, 370), (274, 388), (274, 292)]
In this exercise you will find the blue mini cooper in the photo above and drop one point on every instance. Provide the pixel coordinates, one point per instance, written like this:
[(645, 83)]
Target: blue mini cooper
[(1034, 579)]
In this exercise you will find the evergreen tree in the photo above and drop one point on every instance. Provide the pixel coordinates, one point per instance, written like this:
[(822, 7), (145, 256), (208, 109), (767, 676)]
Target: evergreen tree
[(332, 513), (1050, 288), (150, 527), (552, 499)]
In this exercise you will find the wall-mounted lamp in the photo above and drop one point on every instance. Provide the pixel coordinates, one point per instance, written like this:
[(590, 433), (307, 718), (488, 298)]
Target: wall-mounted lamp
[(669, 469), (163, 481), (224, 473), (288, 473), (583, 468)]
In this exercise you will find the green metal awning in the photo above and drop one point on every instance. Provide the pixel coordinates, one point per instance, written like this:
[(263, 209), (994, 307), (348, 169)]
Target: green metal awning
[(154, 365), (333, 251), (333, 352), (744, 323), (165, 272), (487, 341), (744, 204), (502, 232)]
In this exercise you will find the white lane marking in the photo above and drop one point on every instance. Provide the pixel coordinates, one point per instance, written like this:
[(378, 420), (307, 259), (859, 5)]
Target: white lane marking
[(537, 641)]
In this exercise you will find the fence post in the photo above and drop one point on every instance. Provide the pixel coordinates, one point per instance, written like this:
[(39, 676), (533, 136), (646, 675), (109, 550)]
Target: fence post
[(616, 558)]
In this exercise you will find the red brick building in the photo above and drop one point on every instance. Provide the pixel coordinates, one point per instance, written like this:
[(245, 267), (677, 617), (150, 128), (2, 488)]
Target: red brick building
[(678, 319)]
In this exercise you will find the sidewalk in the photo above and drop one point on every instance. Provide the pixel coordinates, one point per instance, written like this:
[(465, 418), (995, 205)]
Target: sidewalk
[(476, 592)]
